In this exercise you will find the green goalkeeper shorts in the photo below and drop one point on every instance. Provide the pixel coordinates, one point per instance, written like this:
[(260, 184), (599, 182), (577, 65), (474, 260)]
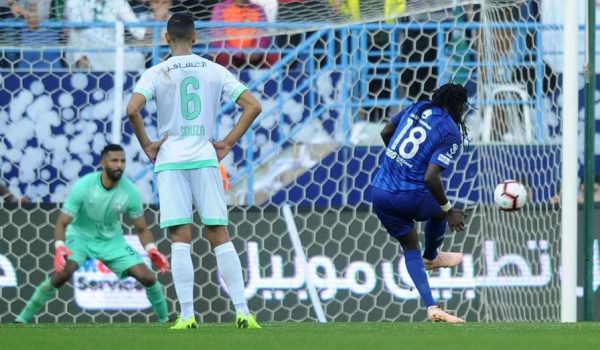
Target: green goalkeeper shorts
[(116, 254)]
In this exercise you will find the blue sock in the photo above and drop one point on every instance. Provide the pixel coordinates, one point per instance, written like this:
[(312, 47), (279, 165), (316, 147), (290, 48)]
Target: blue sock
[(416, 270), (434, 236)]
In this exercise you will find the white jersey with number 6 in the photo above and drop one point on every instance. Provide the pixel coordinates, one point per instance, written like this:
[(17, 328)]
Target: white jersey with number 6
[(188, 92)]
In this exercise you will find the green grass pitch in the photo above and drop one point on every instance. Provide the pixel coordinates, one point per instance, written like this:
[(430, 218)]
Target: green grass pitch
[(346, 336)]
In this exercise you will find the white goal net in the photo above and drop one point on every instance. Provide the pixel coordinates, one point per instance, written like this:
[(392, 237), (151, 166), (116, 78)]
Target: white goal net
[(329, 74)]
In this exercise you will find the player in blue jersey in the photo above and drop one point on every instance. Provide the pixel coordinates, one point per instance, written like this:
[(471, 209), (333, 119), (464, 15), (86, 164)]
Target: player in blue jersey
[(421, 141)]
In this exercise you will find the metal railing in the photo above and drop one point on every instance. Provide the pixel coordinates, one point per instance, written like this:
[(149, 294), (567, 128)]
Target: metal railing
[(345, 49)]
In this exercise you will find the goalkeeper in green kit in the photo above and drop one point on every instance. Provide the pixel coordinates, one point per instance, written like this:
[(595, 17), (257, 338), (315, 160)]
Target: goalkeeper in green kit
[(91, 219)]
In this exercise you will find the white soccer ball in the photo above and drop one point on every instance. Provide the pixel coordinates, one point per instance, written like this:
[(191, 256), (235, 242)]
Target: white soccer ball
[(510, 195)]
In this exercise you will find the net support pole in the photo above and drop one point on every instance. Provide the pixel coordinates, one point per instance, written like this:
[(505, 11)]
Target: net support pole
[(568, 305), (119, 79), (589, 163), (299, 251)]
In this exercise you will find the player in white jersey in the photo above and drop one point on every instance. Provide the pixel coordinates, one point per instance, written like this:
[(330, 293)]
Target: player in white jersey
[(188, 90)]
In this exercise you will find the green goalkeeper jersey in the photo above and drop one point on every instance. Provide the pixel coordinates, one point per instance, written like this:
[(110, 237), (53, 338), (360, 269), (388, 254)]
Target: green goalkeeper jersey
[(97, 211)]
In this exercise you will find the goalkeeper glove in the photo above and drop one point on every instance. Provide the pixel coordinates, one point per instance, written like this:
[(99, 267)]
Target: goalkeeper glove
[(158, 259), (60, 256)]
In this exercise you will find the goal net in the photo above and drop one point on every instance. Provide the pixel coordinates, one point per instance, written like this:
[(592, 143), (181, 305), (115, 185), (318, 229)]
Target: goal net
[(329, 75)]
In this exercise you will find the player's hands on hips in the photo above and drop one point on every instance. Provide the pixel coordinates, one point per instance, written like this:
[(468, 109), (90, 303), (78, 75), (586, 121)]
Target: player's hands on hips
[(152, 148), (60, 258), (222, 149), (456, 219), (159, 260)]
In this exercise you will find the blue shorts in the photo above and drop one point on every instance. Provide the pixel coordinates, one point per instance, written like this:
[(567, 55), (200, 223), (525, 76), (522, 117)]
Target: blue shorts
[(399, 211)]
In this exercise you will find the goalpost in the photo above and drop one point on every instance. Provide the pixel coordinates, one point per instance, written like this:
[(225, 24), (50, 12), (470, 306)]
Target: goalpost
[(329, 75), (568, 311)]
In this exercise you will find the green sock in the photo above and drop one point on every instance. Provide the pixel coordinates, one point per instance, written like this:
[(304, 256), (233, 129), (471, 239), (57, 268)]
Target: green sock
[(42, 295), (159, 303)]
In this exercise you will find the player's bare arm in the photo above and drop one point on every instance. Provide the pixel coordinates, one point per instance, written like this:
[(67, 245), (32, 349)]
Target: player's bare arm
[(251, 109), (134, 108), (61, 251), (61, 226), (145, 236), (388, 132), (433, 181)]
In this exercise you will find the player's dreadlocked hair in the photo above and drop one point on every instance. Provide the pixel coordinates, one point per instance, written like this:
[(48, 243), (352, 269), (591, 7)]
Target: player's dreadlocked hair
[(454, 98)]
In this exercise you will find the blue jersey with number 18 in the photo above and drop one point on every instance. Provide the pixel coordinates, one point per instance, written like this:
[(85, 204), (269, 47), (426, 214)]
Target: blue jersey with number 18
[(434, 138)]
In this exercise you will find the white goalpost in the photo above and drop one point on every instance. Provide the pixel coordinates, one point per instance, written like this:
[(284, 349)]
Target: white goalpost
[(568, 309)]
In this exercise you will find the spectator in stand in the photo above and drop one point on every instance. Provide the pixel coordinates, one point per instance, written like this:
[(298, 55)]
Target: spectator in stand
[(153, 10), (44, 9), (242, 40), (33, 12), (15, 9), (270, 7), (347, 8), (102, 38), (580, 195), (9, 10)]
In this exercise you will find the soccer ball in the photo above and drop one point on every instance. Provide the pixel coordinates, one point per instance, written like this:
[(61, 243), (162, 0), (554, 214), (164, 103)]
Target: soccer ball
[(510, 195)]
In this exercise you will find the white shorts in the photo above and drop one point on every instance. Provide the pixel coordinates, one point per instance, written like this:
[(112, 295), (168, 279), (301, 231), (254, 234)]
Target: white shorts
[(177, 189)]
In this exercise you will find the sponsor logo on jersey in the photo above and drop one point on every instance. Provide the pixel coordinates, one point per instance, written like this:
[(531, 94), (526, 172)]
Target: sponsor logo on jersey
[(444, 159)]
